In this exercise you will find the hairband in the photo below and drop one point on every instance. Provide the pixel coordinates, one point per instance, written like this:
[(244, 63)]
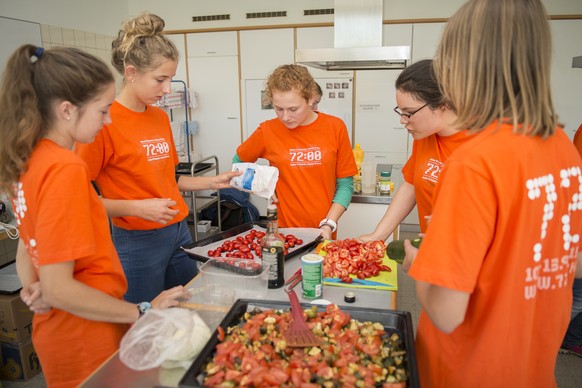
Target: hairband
[(37, 54)]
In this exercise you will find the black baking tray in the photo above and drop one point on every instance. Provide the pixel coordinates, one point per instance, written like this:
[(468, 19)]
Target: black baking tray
[(392, 320), (307, 246)]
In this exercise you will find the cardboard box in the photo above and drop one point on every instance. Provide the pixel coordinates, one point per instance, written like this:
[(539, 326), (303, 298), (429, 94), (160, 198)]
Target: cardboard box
[(15, 319), (19, 361)]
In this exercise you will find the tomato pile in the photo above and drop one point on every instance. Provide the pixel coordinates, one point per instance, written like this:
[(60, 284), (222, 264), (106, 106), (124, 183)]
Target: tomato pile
[(352, 257), (352, 353), (243, 247)]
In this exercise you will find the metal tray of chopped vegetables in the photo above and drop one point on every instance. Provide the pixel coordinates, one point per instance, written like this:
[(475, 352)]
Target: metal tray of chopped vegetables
[(359, 344)]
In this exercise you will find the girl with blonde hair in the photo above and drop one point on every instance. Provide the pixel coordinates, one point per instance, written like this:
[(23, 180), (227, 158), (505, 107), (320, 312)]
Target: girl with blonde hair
[(495, 270), (311, 150), (133, 161)]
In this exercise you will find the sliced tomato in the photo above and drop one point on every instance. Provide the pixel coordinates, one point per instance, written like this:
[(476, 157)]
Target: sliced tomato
[(276, 377), (221, 334), (215, 379)]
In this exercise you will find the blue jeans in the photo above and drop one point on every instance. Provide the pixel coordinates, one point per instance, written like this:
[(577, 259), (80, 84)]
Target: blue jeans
[(153, 261), (574, 334)]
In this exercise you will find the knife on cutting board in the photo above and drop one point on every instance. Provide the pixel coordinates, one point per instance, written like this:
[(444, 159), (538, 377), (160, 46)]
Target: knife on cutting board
[(305, 247)]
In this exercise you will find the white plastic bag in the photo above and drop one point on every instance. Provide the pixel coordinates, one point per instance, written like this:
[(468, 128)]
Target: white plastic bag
[(168, 337), (256, 179)]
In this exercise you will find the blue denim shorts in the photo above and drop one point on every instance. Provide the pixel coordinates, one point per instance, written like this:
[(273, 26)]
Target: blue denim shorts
[(153, 261)]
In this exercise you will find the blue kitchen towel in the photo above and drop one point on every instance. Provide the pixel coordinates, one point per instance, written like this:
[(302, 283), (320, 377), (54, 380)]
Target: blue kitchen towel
[(192, 127)]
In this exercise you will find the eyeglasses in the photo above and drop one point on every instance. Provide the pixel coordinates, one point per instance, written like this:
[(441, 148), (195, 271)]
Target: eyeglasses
[(407, 116)]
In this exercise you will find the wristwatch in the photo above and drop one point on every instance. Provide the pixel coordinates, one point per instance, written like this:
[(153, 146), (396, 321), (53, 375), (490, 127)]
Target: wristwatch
[(143, 307), (329, 222)]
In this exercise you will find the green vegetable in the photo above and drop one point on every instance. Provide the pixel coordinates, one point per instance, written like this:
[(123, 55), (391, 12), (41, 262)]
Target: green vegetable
[(395, 249), (312, 312)]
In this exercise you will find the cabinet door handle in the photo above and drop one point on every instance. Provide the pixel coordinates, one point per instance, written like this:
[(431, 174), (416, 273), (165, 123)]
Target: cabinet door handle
[(232, 118)]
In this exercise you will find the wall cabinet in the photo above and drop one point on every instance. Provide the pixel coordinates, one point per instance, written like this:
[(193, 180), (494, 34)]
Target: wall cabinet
[(212, 44), (261, 51), (180, 41), (425, 40), (567, 81), (377, 127), (215, 79), (359, 219)]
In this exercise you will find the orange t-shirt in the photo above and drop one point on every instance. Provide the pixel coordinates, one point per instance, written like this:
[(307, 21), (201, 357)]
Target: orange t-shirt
[(578, 139), (504, 229), (423, 168), (310, 158), (135, 158), (61, 218)]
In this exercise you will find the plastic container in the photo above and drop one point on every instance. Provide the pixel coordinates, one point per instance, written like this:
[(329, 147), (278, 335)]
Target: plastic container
[(312, 276), (368, 177), (384, 183), (203, 226), (214, 274)]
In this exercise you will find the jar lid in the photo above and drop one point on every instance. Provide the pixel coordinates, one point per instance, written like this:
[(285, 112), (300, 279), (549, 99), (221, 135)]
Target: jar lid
[(349, 297), (385, 174)]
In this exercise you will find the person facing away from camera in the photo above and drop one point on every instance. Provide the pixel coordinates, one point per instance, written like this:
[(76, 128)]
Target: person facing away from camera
[(495, 269)]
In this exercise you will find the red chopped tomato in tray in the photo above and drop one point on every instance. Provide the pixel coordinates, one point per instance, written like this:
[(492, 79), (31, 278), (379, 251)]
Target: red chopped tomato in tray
[(254, 353), (352, 257), (248, 246)]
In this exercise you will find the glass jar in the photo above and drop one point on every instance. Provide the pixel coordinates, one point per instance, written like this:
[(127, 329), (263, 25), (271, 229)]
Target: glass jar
[(357, 184), (384, 183)]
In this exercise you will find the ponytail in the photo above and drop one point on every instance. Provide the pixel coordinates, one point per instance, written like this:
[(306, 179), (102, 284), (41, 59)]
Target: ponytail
[(33, 80)]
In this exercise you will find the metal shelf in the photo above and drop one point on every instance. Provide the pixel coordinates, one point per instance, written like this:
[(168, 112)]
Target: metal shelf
[(201, 201)]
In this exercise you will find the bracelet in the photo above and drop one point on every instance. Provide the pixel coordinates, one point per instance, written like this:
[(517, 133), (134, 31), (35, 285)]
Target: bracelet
[(331, 223)]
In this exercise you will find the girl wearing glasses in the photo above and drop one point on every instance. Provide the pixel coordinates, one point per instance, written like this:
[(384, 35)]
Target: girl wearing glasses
[(427, 117)]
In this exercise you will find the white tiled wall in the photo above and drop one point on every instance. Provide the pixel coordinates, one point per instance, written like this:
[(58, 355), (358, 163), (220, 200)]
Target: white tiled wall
[(96, 44)]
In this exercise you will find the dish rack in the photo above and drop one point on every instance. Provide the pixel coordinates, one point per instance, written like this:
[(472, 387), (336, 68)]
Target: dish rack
[(202, 199)]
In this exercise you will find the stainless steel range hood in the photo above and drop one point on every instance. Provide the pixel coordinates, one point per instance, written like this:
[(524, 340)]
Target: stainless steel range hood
[(357, 41)]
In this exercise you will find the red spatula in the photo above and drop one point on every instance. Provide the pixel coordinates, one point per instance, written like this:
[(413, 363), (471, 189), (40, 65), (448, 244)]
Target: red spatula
[(298, 334)]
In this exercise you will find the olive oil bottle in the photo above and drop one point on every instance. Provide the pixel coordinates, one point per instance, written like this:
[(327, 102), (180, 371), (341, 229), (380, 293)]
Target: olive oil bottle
[(273, 250)]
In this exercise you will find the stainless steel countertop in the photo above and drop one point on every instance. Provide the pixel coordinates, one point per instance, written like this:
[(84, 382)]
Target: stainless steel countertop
[(372, 198)]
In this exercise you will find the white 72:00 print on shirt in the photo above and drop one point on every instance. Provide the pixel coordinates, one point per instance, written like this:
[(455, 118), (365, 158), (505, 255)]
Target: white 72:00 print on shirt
[(156, 149), (305, 156)]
